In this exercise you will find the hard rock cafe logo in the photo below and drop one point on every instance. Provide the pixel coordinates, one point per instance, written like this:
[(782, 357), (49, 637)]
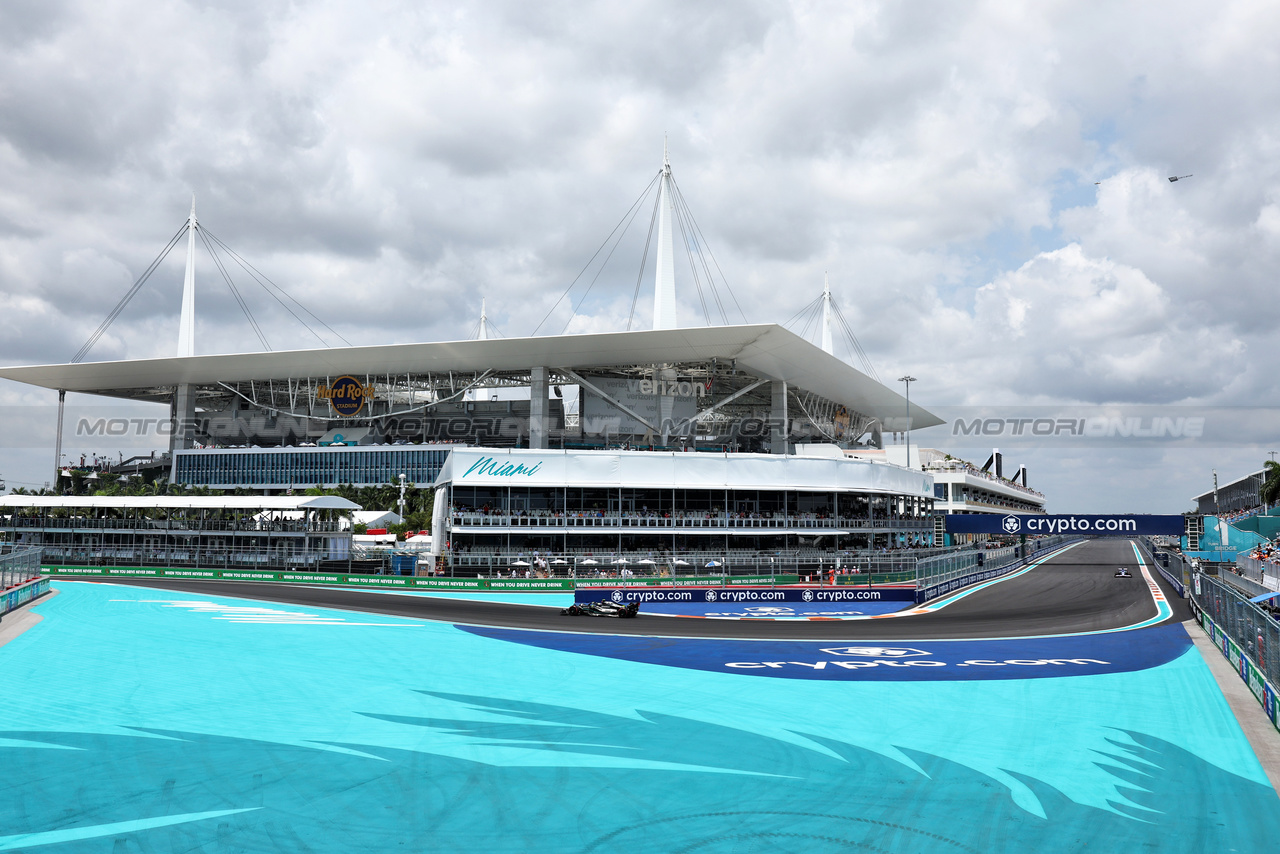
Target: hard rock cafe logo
[(347, 395), (840, 422)]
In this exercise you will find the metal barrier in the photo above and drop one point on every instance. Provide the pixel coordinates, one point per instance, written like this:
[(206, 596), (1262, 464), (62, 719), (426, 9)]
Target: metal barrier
[(1251, 627), (1258, 570), (855, 566), (1170, 564), (18, 567), (938, 576)]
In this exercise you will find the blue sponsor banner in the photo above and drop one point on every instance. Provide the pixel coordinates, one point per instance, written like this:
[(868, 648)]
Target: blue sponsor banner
[(1036, 525), (746, 595), (878, 660), (18, 596)]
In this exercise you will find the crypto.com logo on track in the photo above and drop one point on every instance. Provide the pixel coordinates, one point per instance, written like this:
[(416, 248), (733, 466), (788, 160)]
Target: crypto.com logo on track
[(875, 651)]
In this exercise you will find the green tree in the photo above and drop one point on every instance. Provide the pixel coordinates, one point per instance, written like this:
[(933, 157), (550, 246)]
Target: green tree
[(1270, 491)]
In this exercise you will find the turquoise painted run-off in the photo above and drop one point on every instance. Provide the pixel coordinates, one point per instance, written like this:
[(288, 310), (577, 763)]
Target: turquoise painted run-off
[(147, 720)]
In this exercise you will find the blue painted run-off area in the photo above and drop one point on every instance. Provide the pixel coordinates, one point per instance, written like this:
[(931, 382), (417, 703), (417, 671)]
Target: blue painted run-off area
[(146, 720)]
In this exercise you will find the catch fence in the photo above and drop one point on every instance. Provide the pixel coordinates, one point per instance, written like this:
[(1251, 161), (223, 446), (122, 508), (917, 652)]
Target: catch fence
[(1252, 627), (19, 566)]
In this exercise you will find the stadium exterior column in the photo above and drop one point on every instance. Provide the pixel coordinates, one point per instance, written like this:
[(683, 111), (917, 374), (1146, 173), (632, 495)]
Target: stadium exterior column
[(57, 451), (184, 416), (539, 404), (779, 423)]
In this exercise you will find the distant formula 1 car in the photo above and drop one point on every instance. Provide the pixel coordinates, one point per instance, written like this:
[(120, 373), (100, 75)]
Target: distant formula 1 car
[(1123, 573), (603, 608)]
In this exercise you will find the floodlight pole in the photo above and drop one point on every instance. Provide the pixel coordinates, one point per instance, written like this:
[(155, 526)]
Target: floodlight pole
[(908, 379), (402, 488)]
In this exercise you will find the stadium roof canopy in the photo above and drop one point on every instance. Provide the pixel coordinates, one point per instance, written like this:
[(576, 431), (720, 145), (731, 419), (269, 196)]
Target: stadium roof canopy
[(767, 351)]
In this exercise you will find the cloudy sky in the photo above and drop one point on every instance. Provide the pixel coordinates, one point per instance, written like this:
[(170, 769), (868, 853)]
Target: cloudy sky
[(985, 183)]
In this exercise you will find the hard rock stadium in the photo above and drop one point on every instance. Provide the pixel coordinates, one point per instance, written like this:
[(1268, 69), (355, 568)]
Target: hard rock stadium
[(752, 626)]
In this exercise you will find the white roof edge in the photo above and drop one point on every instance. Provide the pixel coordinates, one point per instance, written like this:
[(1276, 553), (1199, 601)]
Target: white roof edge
[(765, 349), (1258, 473)]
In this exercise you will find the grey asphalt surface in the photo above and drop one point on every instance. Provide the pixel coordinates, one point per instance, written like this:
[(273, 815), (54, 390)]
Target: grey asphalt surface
[(1074, 592)]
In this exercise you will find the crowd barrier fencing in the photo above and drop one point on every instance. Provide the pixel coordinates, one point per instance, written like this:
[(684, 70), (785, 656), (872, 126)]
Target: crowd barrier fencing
[(1247, 635), (18, 566), (21, 578)]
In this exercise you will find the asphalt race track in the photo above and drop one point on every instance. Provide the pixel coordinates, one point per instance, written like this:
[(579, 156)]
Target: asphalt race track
[(1073, 592), (165, 715)]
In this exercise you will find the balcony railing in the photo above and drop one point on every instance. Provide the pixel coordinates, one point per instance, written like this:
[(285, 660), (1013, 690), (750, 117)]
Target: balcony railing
[(232, 526), (481, 521)]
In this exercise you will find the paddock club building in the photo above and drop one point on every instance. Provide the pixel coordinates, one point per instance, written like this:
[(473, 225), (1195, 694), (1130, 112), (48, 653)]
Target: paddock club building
[(660, 505)]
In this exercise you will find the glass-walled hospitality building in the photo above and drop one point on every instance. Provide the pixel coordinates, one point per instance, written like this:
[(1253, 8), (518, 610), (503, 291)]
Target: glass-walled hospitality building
[(286, 468), (653, 504)]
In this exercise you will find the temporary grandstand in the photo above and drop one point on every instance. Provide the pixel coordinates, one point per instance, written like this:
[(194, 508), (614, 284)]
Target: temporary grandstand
[(175, 531)]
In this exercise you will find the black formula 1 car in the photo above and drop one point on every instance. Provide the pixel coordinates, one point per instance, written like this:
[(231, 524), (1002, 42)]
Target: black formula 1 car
[(1123, 573), (603, 608)]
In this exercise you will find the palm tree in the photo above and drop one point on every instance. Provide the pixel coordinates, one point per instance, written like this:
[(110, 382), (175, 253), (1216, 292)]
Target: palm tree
[(1270, 491)]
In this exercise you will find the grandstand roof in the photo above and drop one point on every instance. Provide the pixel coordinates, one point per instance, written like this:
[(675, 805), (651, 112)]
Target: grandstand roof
[(1259, 475), (765, 350)]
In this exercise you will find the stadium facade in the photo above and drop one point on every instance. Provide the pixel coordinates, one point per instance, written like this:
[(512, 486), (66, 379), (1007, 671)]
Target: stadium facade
[(738, 437)]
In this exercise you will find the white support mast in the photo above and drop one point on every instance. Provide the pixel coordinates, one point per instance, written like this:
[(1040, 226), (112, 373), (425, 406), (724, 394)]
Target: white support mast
[(664, 290), (826, 315), (187, 321), (484, 321)]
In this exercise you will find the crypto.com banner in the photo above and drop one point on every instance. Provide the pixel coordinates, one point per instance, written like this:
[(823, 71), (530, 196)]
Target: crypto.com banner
[(1065, 523)]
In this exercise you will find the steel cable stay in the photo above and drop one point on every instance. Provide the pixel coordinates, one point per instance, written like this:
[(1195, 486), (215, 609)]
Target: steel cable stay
[(809, 318), (689, 248), (596, 254), (857, 345), (635, 210), (267, 285), (697, 281), (489, 324), (797, 315), (120, 306), (244, 307), (692, 244), (644, 258), (703, 243)]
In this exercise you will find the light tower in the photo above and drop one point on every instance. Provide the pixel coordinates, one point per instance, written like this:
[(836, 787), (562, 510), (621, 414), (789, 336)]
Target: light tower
[(908, 379)]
